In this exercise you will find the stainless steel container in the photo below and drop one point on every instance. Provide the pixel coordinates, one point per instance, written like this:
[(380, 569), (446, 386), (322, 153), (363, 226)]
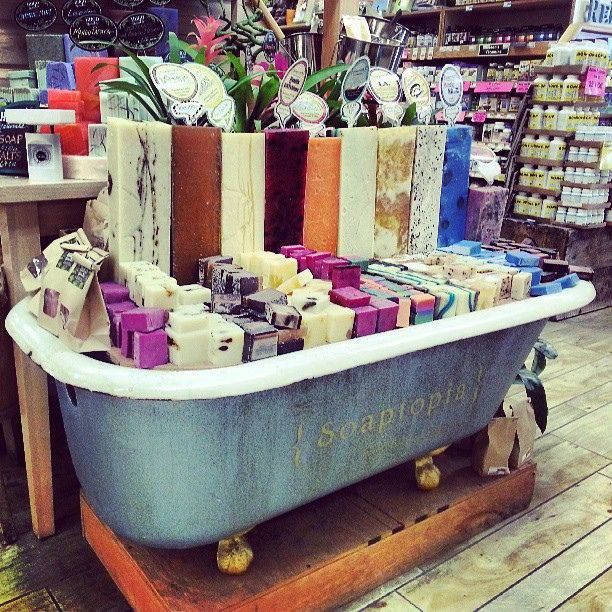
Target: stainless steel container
[(381, 54), (306, 45)]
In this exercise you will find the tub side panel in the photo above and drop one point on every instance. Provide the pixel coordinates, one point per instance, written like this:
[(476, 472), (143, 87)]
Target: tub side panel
[(184, 473)]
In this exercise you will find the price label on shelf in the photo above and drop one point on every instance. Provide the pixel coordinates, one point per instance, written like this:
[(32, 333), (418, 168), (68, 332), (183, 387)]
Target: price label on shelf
[(468, 8), (479, 116), (523, 86), (595, 81), (507, 4)]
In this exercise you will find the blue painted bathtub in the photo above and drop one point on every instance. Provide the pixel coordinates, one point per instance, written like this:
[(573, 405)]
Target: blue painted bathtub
[(180, 459)]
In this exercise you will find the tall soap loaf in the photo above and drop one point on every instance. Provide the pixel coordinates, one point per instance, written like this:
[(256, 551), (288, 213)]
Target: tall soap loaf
[(455, 184), (139, 167), (393, 186), (286, 156), (196, 199), (242, 193), (358, 161), (485, 213), (322, 194), (426, 187)]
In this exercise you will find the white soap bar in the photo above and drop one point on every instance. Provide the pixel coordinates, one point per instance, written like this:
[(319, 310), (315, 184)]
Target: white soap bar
[(268, 263), (226, 344), (295, 282), (142, 280), (306, 300), (97, 133), (192, 294), (113, 104), (253, 261), (193, 318), (39, 116), (276, 270), (314, 325), (319, 285), (128, 271), (84, 167), (160, 294), (521, 286), (339, 323), (188, 349), (497, 281)]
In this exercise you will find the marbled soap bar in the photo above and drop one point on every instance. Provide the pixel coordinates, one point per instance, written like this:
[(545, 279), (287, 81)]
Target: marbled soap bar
[(196, 198), (322, 194), (206, 265), (242, 283), (283, 315), (226, 303), (486, 207), (60, 75), (113, 104), (150, 349), (242, 193), (219, 277), (290, 341), (358, 162), (260, 341), (426, 187), (393, 187), (455, 184), (96, 136), (139, 166), (257, 301), (226, 344), (286, 155)]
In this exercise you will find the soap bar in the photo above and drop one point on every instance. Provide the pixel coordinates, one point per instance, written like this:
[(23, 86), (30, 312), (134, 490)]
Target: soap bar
[(571, 280), (455, 183), (286, 154), (257, 301), (290, 341), (114, 315), (113, 104), (96, 136), (219, 277), (196, 198), (358, 163), (276, 270), (88, 81), (139, 167), (403, 311), (62, 99), (242, 283), (426, 187), (188, 349), (170, 18), (546, 288), (349, 296), (72, 51), (60, 75), (192, 295), (558, 266), (583, 272), (346, 276), (314, 325), (226, 303), (150, 349), (313, 258), (192, 318), (226, 344), (387, 314), (114, 292), (340, 323), (485, 213), (536, 274), (260, 341), (323, 267), (466, 247), (129, 63), (141, 279), (144, 319), (319, 285), (521, 258), (288, 249), (283, 315), (322, 199), (242, 193), (365, 321), (306, 300), (74, 139), (295, 282), (206, 266), (396, 148), (160, 294), (49, 47), (521, 285), (128, 270)]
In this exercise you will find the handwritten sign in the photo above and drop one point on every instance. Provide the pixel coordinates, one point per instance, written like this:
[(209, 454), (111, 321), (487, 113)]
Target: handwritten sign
[(290, 88), (494, 49), (523, 86), (479, 116), (73, 9), (35, 15), (13, 153), (93, 32), (140, 31), (595, 81)]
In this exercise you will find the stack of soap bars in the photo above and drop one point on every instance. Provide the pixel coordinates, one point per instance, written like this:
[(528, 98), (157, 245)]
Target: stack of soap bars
[(262, 304)]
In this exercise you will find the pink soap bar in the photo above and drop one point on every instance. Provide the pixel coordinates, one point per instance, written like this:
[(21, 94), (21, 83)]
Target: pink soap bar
[(301, 258), (346, 276), (313, 257), (119, 307), (143, 319), (115, 329), (423, 302), (365, 321), (114, 293), (287, 250), (349, 297), (150, 349), (387, 314), (403, 313), (323, 267)]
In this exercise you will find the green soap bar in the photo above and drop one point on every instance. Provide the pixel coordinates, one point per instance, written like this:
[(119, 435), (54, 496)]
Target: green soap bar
[(362, 262)]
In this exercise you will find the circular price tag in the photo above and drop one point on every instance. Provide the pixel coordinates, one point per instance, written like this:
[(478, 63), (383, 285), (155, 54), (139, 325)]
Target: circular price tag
[(93, 32), (222, 116), (160, 2), (416, 88), (174, 81), (35, 15), (384, 85), (73, 9), (140, 31), (210, 91), (293, 82), (451, 85), (356, 80), (310, 108)]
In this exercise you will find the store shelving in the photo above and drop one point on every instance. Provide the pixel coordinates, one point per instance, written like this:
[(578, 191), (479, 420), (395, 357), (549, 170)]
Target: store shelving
[(587, 185), (560, 133), (538, 190), (553, 222)]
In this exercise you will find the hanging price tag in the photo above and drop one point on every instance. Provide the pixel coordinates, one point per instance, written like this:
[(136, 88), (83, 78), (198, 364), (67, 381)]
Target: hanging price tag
[(595, 81), (479, 117)]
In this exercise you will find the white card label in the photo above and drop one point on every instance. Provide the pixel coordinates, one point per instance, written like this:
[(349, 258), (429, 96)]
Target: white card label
[(290, 88), (174, 81), (384, 85), (451, 92), (417, 91), (310, 108)]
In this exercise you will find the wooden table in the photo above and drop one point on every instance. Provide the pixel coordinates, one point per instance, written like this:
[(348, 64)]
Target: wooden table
[(27, 212)]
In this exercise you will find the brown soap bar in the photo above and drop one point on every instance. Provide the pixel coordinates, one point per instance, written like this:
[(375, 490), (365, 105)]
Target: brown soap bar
[(257, 301), (206, 266), (559, 267), (290, 340), (583, 272), (196, 199), (286, 155)]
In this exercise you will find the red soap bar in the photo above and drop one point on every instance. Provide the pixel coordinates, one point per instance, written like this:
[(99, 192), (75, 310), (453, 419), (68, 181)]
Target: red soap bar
[(349, 297), (387, 314), (65, 99), (286, 153), (365, 321), (88, 81), (323, 267), (74, 138), (346, 276)]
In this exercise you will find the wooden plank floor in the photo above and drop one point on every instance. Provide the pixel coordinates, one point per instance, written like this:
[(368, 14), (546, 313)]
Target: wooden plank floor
[(553, 555)]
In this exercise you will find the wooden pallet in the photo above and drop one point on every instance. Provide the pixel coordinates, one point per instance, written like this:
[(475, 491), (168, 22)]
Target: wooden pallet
[(324, 554)]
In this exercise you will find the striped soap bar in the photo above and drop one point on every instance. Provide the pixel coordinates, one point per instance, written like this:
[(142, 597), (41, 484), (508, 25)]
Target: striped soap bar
[(358, 161), (393, 185)]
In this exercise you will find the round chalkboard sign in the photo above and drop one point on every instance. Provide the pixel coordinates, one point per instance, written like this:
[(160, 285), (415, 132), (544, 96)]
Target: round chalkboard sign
[(93, 32), (160, 2), (129, 3), (140, 31), (73, 9), (35, 15)]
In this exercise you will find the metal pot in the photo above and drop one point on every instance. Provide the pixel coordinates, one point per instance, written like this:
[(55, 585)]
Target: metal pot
[(306, 45), (384, 55)]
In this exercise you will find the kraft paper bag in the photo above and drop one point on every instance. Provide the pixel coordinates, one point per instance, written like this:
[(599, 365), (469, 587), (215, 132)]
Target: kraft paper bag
[(69, 301), (95, 222), (526, 430), (493, 446)]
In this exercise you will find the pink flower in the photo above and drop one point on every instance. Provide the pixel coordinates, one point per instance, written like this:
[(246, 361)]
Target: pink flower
[(207, 38), (281, 63)]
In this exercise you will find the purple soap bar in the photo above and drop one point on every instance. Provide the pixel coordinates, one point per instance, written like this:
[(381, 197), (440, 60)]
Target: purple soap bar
[(346, 276), (546, 289), (143, 319), (150, 348), (365, 321), (387, 314), (301, 256), (115, 329), (127, 342), (312, 258), (285, 157), (349, 297), (119, 307), (112, 293), (323, 267), (287, 250)]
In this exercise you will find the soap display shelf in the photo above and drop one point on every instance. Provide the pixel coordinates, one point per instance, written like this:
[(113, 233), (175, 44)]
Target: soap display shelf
[(499, 87), (560, 133), (576, 69), (592, 144), (592, 104), (484, 7), (539, 190), (15, 189), (553, 222), (466, 52), (539, 161), (587, 185), (579, 164)]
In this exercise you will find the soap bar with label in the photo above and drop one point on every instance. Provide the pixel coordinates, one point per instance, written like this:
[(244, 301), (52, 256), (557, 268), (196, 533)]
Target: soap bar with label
[(340, 321), (150, 349), (226, 344)]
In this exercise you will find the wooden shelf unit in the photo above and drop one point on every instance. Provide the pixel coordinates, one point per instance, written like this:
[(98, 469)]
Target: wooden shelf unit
[(538, 161), (538, 190), (593, 104), (553, 222), (591, 144), (587, 185), (560, 133)]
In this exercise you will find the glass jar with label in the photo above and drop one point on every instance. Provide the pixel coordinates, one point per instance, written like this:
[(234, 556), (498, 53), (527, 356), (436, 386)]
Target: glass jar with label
[(556, 149), (549, 118), (563, 118), (540, 89), (560, 215), (554, 178), (535, 204), (528, 146), (555, 89), (520, 202), (536, 117), (542, 146)]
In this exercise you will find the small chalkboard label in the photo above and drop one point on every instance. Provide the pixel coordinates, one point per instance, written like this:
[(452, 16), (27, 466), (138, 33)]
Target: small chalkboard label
[(269, 45), (73, 9), (494, 49), (160, 2), (129, 3), (35, 15), (93, 32), (140, 31), (13, 152)]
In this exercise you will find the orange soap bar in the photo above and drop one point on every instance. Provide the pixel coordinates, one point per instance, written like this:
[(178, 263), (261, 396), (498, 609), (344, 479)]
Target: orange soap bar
[(322, 195), (74, 138), (196, 199), (88, 81)]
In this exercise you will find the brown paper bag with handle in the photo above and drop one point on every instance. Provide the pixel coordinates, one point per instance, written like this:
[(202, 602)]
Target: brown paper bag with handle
[(493, 445), (526, 430)]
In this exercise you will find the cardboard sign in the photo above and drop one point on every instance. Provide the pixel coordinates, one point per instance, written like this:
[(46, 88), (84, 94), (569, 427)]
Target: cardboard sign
[(140, 31), (595, 81), (290, 88), (93, 32), (354, 86), (35, 15), (73, 9), (494, 49)]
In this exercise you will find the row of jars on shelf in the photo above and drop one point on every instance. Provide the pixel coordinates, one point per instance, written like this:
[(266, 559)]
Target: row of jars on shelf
[(544, 178), (556, 88), (553, 209), (567, 118), (461, 35), (578, 53)]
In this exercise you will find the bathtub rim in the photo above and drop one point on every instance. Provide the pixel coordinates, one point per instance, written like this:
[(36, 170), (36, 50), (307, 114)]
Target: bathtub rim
[(84, 372)]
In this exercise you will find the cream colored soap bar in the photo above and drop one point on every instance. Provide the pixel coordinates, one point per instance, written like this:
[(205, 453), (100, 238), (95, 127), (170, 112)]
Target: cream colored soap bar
[(188, 349), (521, 286), (242, 193), (160, 294), (319, 285), (306, 300), (127, 270), (225, 345), (296, 282), (140, 194), (339, 323), (142, 280), (276, 270), (193, 318), (358, 162), (314, 325), (192, 295)]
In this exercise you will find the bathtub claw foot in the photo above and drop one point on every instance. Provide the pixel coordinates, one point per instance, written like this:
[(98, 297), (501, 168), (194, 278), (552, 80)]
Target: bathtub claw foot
[(234, 555), (426, 472)]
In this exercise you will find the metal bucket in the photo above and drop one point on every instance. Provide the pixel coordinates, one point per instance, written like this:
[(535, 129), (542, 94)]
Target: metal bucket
[(306, 45), (383, 55), (385, 31)]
